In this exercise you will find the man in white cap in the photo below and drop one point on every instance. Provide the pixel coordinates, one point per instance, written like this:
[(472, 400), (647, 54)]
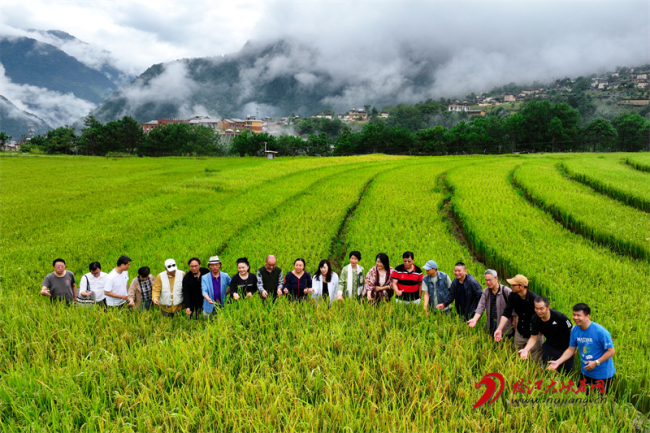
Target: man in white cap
[(168, 289), (214, 287)]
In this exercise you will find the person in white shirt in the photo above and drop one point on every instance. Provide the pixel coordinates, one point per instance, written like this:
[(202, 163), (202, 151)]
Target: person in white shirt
[(325, 283), (351, 283), (91, 287), (116, 285)]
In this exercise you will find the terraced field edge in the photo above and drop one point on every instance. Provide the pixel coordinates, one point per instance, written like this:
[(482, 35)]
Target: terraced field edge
[(607, 240), (637, 165), (601, 187)]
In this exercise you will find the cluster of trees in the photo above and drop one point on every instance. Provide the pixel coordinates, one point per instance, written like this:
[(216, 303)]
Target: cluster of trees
[(540, 126), (423, 128), (126, 136)]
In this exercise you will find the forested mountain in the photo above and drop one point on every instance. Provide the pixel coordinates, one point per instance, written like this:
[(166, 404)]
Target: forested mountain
[(28, 61), (277, 78), (15, 122)]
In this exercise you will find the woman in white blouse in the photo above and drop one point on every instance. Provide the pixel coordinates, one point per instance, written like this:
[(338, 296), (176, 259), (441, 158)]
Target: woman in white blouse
[(326, 283)]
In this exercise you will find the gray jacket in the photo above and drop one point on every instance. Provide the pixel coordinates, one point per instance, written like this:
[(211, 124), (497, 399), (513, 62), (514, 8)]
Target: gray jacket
[(484, 305)]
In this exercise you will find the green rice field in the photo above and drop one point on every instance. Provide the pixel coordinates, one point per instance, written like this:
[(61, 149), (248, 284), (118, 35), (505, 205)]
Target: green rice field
[(576, 225)]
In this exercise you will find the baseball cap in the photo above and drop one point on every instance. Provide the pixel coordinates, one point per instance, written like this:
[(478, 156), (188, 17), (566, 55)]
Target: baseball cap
[(170, 265), (518, 279), (430, 265)]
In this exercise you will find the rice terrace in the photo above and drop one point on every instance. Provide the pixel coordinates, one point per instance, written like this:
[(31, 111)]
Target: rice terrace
[(576, 225)]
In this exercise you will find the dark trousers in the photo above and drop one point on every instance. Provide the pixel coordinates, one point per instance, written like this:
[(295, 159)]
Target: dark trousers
[(551, 354), (597, 382)]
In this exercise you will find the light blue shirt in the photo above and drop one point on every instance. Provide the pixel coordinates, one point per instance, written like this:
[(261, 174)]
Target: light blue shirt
[(592, 343)]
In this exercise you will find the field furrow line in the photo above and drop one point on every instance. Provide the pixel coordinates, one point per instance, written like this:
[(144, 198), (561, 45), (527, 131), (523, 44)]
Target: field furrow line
[(608, 177), (600, 219), (639, 162)]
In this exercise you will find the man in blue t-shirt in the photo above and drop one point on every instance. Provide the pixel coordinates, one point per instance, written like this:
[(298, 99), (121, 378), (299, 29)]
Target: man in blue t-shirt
[(595, 347)]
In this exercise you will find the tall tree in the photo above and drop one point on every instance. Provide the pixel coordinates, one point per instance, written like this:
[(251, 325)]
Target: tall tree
[(4, 138), (600, 134), (632, 131)]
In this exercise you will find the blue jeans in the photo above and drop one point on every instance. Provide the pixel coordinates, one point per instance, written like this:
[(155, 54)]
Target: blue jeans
[(146, 305)]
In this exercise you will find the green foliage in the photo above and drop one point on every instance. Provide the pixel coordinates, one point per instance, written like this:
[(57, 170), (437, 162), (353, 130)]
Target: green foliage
[(581, 84), (633, 132), (408, 117), (117, 136), (287, 145), (541, 131), (252, 144), (600, 134), (346, 144), (4, 138), (433, 140), (60, 140), (331, 127), (318, 145), (582, 102), (181, 139)]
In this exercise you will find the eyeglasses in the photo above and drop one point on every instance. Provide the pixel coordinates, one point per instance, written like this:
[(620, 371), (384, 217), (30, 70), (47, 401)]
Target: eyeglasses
[(171, 266), (96, 273)]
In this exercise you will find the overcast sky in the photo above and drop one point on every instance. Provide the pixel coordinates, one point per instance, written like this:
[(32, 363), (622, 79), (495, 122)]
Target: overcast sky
[(463, 46), (562, 36)]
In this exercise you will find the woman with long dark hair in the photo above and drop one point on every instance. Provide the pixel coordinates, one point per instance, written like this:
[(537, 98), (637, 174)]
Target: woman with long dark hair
[(297, 283), (326, 283), (378, 283)]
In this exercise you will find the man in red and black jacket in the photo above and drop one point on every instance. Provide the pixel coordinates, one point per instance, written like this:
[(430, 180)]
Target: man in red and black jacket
[(407, 280)]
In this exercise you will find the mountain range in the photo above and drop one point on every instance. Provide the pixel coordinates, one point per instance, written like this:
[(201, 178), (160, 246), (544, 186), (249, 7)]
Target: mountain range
[(16, 121), (275, 78), (43, 85)]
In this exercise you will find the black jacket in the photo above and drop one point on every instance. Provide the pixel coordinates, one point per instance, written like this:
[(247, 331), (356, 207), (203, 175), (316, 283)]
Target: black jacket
[(466, 296), (192, 296)]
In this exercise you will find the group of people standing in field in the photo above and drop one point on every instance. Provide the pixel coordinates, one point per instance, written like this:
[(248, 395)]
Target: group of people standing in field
[(513, 312)]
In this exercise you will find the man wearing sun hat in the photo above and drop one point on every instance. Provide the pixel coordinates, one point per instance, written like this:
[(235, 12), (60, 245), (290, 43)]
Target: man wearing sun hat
[(214, 287), (522, 301), (167, 290)]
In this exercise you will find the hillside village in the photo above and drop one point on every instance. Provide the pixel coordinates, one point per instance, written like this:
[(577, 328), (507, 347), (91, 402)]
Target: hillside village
[(234, 126), (604, 86), (626, 88)]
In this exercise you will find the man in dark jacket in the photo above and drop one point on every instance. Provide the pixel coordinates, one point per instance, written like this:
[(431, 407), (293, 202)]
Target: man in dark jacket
[(522, 301), (192, 296), (269, 278), (465, 291)]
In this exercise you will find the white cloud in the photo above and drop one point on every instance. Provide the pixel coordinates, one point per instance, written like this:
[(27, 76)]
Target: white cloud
[(53, 107), (373, 52)]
